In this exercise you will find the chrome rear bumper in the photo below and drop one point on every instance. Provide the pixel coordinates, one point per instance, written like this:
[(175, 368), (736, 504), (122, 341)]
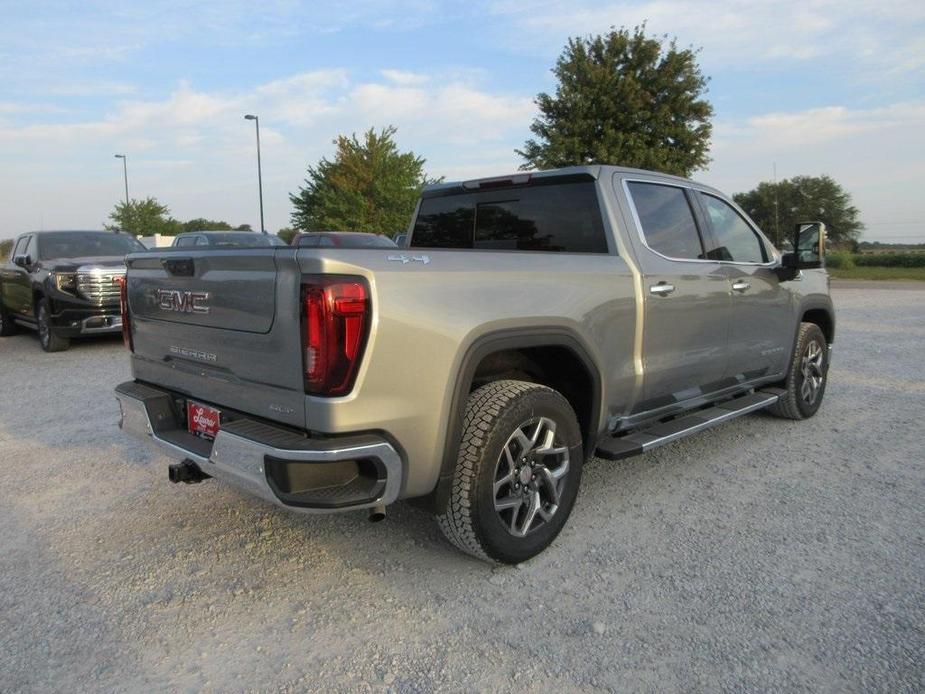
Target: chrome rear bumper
[(344, 473)]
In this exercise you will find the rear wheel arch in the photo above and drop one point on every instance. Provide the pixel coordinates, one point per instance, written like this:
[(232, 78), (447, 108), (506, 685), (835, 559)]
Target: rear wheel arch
[(556, 358)]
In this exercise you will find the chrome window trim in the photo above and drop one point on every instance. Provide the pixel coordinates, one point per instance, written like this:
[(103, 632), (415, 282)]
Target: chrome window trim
[(774, 262)]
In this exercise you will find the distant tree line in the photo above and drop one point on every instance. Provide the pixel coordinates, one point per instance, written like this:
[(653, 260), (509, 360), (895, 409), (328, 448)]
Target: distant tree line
[(148, 217)]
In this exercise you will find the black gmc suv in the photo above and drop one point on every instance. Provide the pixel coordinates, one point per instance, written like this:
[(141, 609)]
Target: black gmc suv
[(64, 284)]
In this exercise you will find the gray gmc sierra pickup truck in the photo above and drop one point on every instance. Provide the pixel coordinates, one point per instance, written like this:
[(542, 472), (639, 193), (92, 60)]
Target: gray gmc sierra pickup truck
[(532, 320)]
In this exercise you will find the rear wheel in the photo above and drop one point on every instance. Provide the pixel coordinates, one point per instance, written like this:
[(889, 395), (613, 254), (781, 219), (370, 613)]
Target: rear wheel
[(517, 472), (47, 338), (806, 380), (7, 326)]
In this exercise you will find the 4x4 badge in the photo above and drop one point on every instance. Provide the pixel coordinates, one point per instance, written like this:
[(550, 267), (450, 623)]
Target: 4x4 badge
[(405, 259)]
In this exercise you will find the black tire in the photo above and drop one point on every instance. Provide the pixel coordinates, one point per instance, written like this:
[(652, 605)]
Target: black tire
[(494, 452), (47, 338), (807, 376), (7, 326)]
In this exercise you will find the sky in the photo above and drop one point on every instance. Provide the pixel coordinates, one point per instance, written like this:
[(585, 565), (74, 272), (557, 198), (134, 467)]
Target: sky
[(808, 86)]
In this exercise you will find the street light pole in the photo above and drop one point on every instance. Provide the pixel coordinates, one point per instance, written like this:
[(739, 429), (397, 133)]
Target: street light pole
[(259, 172), (124, 171)]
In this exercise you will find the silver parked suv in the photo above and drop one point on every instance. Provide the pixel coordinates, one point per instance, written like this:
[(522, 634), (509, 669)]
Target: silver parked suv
[(529, 321)]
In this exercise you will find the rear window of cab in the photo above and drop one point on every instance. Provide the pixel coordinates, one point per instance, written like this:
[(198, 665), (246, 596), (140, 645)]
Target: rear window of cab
[(563, 217)]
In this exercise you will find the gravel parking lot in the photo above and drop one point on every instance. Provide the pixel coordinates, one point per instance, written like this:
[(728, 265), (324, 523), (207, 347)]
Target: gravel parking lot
[(764, 555)]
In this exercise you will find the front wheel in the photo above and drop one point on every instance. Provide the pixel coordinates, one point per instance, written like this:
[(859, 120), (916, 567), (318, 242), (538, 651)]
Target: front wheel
[(517, 472), (807, 377), (47, 338), (7, 326)]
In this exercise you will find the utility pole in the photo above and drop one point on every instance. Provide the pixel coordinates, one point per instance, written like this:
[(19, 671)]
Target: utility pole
[(259, 173), (125, 172)]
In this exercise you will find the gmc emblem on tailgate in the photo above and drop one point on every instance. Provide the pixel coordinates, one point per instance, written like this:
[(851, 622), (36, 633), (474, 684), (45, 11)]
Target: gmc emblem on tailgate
[(181, 301)]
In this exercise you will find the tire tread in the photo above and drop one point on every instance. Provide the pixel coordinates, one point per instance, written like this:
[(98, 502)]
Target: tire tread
[(786, 406), (484, 406)]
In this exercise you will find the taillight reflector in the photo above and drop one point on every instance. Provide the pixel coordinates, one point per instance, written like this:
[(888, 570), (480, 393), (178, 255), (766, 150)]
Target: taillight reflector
[(336, 314)]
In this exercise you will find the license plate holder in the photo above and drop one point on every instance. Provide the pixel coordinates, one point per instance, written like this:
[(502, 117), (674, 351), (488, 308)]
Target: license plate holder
[(202, 420)]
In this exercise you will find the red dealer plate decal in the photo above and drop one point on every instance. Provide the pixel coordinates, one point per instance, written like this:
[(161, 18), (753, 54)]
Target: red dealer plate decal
[(202, 419)]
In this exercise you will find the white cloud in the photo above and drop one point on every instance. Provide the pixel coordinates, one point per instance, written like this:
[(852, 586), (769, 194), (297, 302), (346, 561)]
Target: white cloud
[(881, 36), (193, 150), (404, 77)]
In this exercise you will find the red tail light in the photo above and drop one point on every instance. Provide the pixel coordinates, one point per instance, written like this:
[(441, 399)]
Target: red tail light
[(123, 307), (336, 322)]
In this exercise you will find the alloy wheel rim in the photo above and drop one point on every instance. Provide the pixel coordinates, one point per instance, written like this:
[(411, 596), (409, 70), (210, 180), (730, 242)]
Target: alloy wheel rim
[(530, 476), (812, 370)]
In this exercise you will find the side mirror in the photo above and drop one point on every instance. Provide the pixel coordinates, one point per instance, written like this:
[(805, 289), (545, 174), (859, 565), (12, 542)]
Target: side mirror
[(809, 245), (22, 261)]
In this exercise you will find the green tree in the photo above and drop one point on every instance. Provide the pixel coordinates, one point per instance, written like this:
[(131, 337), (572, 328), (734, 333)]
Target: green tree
[(202, 224), (144, 218), (287, 234), (6, 247), (243, 227), (627, 99), (777, 208), (370, 186)]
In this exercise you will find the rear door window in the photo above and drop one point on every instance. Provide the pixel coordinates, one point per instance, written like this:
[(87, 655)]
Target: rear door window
[(733, 239), (556, 217), (667, 220)]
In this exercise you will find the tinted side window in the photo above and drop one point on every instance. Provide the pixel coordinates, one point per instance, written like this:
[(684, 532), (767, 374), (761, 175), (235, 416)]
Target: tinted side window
[(31, 250), (733, 238), (186, 242), (444, 222), (562, 217), (667, 220)]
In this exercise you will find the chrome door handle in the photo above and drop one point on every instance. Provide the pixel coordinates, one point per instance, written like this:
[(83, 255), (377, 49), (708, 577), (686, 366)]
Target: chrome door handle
[(741, 286), (661, 289)]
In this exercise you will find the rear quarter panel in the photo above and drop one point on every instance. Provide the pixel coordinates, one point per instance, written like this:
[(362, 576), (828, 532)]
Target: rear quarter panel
[(427, 316)]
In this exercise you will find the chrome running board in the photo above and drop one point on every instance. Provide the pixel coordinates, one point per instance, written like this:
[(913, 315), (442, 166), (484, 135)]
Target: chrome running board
[(628, 445)]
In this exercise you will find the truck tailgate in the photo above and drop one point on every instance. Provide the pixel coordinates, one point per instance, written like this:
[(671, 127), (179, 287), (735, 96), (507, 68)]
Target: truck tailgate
[(221, 326)]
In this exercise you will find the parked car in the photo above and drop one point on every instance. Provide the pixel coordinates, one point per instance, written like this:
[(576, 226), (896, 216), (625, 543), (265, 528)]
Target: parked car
[(64, 284), (341, 239), (225, 239), (533, 320)]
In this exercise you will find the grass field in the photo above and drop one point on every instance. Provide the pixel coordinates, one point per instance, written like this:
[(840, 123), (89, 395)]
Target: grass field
[(878, 273)]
